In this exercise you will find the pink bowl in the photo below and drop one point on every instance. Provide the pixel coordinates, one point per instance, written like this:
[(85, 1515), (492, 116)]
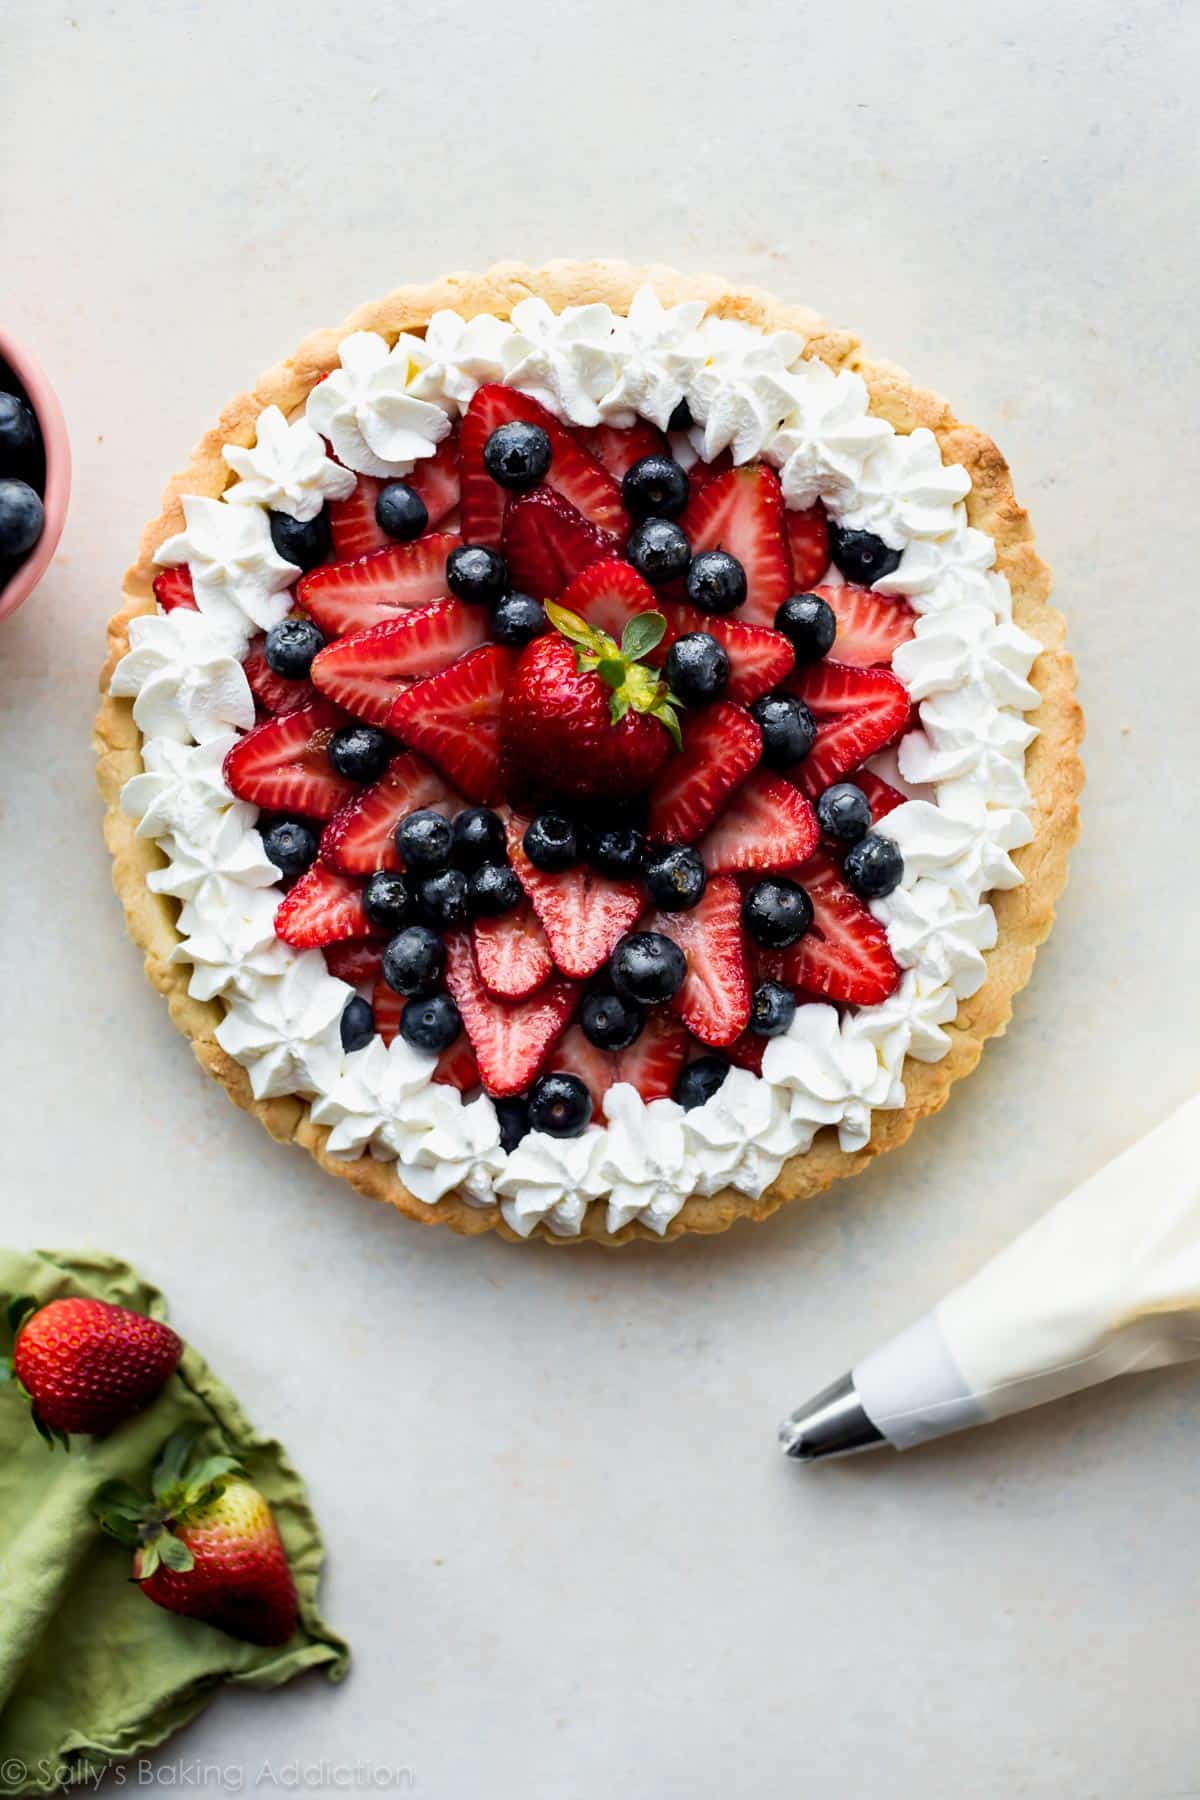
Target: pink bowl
[(57, 447)]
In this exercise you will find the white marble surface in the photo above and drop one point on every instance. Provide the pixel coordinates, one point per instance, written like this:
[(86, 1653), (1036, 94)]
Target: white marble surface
[(560, 1538)]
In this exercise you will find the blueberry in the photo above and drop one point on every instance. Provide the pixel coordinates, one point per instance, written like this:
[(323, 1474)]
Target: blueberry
[(476, 574), (477, 837), (431, 1023), (305, 542), (844, 812), (513, 1118), (788, 729), (290, 647), (18, 433), (675, 877), (655, 487), (400, 511), (551, 841), (772, 1009), (681, 418), (648, 968), (358, 1023), (659, 551), (493, 889), (424, 840), (387, 900), (517, 455), (776, 912), (716, 582), (444, 899), (291, 844), (619, 851), (697, 668), (874, 866), (610, 1022), (359, 752), (560, 1105), (21, 518), (700, 1080), (413, 961), (860, 555), (809, 624), (517, 619)]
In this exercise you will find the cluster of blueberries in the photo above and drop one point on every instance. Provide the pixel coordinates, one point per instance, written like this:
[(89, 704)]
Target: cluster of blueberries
[(22, 475)]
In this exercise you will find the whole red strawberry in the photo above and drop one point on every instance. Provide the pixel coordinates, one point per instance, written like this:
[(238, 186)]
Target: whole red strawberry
[(87, 1365), (206, 1544), (583, 714)]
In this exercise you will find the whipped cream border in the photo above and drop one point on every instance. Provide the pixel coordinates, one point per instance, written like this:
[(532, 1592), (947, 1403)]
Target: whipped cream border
[(967, 667)]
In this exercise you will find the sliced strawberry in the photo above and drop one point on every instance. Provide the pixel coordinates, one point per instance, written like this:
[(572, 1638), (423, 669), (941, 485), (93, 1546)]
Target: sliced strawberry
[(352, 523), (512, 954), (283, 764), (547, 543), (356, 960), (454, 719), (173, 588), (759, 658), (857, 711), (808, 546), (618, 450), (274, 693), (742, 512), (768, 825), (747, 1052), (436, 479), (844, 955), (348, 596), (361, 836), (583, 913), (882, 797), (650, 1064), (720, 747), (701, 473), (322, 908), (609, 594), (511, 1038), (714, 1001), (456, 1066), (870, 628), (653, 1061), (367, 670), (388, 1007), (578, 477)]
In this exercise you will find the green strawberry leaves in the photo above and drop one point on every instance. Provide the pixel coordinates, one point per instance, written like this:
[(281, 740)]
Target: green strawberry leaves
[(635, 687), (187, 1479), (642, 635)]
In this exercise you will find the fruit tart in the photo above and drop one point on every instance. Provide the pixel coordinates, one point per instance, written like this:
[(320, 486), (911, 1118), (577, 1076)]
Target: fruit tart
[(588, 753)]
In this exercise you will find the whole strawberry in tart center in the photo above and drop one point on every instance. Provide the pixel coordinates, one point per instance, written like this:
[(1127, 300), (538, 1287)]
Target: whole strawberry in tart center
[(585, 715)]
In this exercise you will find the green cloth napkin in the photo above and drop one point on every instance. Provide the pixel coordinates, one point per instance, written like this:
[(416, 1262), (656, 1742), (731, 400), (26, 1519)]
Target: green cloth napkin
[(90, 1671)]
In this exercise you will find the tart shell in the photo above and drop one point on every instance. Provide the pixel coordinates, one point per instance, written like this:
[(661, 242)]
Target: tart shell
[(1024, 914)]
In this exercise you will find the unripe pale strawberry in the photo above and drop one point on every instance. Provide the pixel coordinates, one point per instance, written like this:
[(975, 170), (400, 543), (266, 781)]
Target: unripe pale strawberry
[(205, 1544)]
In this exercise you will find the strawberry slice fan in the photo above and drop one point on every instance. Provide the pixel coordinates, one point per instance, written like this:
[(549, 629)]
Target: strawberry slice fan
[(580, 841), (675, 747)]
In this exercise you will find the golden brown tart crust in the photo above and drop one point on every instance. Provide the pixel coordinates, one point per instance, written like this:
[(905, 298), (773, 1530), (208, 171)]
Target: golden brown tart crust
[(1023, 914)]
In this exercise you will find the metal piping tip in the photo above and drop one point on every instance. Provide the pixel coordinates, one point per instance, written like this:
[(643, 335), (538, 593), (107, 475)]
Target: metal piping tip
[(833, 1423)]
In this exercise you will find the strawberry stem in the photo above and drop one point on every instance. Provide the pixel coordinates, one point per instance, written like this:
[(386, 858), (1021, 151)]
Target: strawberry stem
[(635, 687)]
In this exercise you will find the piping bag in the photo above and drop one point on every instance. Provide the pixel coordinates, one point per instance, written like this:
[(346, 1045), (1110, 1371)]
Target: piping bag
[(1106, 1282)]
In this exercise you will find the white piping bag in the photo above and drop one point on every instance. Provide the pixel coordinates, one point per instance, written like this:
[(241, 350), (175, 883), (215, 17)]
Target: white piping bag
[(1106, 1282)]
